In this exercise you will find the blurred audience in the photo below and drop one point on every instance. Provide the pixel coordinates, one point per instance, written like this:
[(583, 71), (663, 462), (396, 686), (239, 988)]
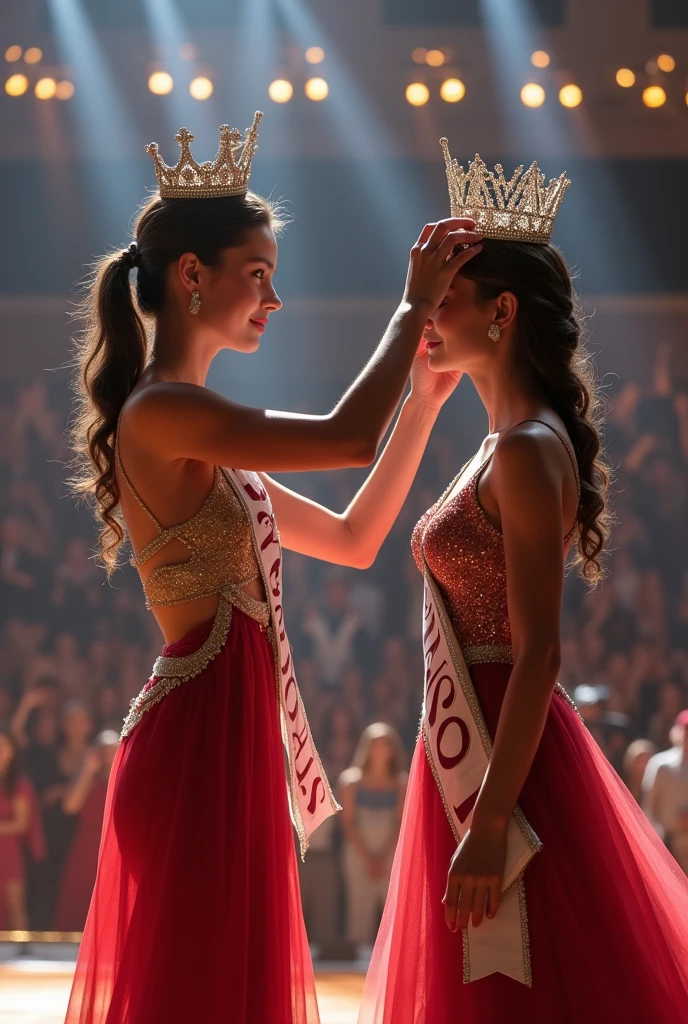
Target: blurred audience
[(372, 794), (75, 650)]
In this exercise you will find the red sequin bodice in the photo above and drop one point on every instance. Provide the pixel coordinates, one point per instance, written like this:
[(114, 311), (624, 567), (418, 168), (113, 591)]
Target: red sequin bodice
[(465, 554)]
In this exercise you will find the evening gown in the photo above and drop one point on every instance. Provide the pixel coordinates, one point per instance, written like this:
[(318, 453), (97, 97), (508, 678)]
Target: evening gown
[(195, 913), (607, 906)]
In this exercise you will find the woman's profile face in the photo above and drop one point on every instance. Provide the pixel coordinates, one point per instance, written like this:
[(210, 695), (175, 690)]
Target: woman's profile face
[(238, 296), (456, 333)]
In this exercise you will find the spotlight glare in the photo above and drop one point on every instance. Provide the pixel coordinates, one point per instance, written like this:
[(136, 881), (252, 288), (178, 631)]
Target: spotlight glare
[(452, 90), (417, 94), (280, 91), (532, 95), (419, 54), (33, 55), (16, 85), (570, 95), (654, 96), (315, 55), (45, 88), (665, 62), (540, 59), (64, 90), (12, 54), (316, 89), (160, 83), (625, 78), (435, 58), (201, 88)]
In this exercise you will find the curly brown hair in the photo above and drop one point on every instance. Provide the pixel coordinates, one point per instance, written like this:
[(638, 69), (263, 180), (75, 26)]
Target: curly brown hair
[(113, 347), (551, 341)]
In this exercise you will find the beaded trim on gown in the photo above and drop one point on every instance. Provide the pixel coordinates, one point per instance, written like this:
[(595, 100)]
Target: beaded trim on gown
[(607, 906)]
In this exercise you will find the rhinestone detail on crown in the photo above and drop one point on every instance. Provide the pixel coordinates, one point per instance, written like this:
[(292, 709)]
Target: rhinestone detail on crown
[(520, 210), (227, 176)]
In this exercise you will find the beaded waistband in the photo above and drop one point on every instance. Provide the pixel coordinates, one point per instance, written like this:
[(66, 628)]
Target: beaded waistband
[(502, 653), (479, 654), (170, 671)]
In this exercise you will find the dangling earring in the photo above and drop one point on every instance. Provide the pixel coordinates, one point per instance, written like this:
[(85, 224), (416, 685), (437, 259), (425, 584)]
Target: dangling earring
[(195, 303), (495, 332)]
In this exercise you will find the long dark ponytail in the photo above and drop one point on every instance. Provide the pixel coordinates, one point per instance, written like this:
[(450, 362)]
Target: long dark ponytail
[(112, 350), (552, 346)]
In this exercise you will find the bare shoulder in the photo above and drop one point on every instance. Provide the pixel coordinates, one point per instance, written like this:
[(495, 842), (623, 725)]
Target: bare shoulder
[(166, 400), (350, 777), (530, 454)]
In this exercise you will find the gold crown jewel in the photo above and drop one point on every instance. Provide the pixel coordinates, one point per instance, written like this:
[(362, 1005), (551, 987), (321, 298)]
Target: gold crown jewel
[(227, 176), (520, 210)]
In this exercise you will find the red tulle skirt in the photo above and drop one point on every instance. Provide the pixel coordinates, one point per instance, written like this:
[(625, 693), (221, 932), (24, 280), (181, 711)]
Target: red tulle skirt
[(196, 914), (607, 905)]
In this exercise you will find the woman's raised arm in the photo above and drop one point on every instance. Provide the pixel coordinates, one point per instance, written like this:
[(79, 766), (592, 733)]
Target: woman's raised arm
[(190, 422)]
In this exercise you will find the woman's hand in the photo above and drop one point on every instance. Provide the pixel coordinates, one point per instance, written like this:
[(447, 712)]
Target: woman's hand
[(435, 259), (475, 876), (432, 389)]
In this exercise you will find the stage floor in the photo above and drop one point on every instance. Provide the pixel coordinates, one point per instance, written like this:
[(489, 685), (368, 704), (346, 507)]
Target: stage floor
[(36, 992)]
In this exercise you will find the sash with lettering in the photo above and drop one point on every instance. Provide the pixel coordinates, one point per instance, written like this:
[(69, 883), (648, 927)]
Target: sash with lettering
[(310, 797), (458, 747)]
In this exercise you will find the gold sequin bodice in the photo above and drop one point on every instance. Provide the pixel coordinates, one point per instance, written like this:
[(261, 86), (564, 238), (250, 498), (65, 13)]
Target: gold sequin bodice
[(219, 537), (465, 553)]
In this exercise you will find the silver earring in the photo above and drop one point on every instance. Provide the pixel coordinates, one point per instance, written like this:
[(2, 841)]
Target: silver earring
[(495, 332), (195, 303)]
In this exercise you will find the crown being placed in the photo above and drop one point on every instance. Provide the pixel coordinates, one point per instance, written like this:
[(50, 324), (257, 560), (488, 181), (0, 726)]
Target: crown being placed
[(227, 176), (520, 210)]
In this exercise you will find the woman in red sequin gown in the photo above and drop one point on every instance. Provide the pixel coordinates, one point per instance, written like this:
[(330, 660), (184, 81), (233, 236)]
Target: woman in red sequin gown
[(607, 907), (195, 914)]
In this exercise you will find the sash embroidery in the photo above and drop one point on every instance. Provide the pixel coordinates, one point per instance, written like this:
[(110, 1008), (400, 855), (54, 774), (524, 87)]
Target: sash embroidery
[(311, 799), (458, 747)]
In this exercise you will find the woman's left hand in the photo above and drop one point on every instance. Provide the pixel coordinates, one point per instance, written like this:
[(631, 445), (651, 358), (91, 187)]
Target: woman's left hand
[(475, 876), (432, 389)]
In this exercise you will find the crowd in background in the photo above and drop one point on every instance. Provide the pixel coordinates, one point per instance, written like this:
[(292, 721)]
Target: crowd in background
[(75, 649)]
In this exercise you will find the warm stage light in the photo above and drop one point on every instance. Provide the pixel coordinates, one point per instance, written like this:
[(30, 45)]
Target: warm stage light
[(201, 88), (540, 59), (532, 95), (570, 96), (12, 54), (665, 62), (33, 55), (654, 96), (417, 94), (452, 90), (419, 54), (315, 55), (160, 83), (16, 85), (45, 88), (64, 90), (280, 91), (435, 58), (625, 78), (316, 89)]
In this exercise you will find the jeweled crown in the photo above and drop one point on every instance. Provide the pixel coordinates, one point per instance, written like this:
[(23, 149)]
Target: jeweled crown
[(227, 176), (519, 210)]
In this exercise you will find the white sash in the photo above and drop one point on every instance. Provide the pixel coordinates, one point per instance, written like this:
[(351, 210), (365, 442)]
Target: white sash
[(458, 747), (310, 797)]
